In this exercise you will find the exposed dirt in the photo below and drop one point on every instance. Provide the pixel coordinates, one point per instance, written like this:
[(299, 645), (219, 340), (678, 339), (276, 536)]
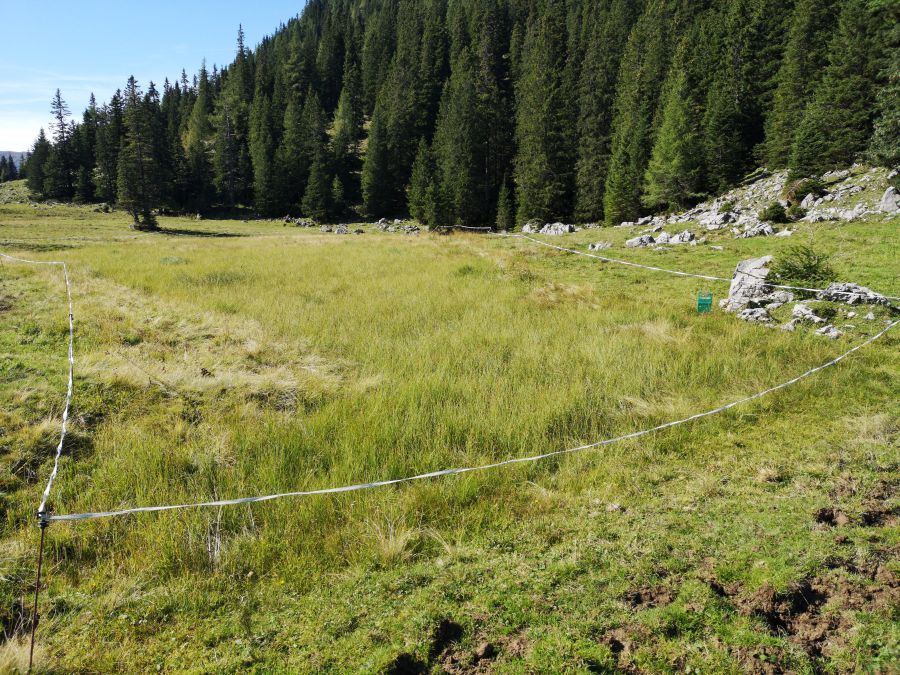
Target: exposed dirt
[(648, 597)]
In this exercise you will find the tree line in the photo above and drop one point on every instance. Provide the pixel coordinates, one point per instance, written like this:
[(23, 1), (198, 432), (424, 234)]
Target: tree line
[(495, 112), (9, 170)]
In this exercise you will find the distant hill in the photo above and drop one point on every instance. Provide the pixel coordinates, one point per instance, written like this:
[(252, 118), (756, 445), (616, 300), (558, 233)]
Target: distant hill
[(18, 156)]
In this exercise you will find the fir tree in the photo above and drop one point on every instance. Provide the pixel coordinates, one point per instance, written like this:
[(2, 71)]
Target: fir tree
[(543, 164), (316, 198), (40, 153), (837, 124), (138, 177), (423, 185), (640, 79), (805, 57), (506, 213), (673, 174), (596, 95)]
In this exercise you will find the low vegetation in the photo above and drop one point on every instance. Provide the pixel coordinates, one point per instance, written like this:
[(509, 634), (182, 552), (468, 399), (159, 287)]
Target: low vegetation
[(275, 358)]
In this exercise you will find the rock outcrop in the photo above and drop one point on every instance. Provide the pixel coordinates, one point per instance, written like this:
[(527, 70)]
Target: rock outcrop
[(852, 294), (748, 284)]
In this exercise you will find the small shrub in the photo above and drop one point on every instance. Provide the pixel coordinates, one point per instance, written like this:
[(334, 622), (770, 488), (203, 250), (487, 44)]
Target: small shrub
[(796, 212), (727, 207), (797, 190), (773, 213), (801, 264)]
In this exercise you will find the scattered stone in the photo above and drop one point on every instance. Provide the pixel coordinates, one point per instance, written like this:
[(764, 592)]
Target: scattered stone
[(600, 246), (383, 221), (761, 230), (717, 248), (808, 201), (325, 228), (851, 315), (748, 283), (359, 231), (773, 301), (682, 238), (803, 313), (663, 238), (836, 175), (791, 325), (640, 242), (531, 227), (870, 316), (829, 331), (890, 201), (852, 294), (341, 229), (557, 228), (784, 233), (757, 314)]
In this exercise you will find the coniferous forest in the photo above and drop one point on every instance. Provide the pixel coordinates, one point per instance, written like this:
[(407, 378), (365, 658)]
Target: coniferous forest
[(493, 112)]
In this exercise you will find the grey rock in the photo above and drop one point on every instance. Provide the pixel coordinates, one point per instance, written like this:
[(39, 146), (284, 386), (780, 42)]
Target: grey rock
[(890, 201), (531, 227), (682, 238), (870, 316), (748, 283), (791, 325), (557, 228), (757, 314), (640, 242), (325, 228), (836, 175), (852, 294), (663, 238), (784, 233), (808, 201), (829, 331), (341, 229), (761, 230), (717, 248), (803, 313), (600, 246)]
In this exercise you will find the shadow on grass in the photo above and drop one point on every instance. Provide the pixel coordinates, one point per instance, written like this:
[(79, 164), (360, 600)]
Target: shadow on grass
[(193, 233)]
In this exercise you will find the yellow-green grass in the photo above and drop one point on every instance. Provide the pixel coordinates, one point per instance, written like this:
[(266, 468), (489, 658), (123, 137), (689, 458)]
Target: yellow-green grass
[(287, 359)]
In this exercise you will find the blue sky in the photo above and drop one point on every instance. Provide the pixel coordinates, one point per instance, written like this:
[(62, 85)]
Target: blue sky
[(94, 45)]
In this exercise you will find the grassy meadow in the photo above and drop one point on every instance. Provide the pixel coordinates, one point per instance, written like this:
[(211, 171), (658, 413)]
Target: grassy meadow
[(223, 359)]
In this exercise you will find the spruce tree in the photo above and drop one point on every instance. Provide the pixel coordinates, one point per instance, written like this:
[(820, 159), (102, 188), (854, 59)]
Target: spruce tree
[(805, 56), (837, 124), (423, 185), (37, 162), (317, 196), (640, 79), (596, 96), (58, 170), (543, 166), (138, 177), (460, 145), (506, 213), (673, 175)]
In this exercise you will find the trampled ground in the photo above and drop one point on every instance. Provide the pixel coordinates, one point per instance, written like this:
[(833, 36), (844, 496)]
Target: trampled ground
[(276, 359)]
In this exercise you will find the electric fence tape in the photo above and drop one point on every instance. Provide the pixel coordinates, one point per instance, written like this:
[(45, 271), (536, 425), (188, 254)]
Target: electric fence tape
[(71, 384), (655, 269), (457, 471)]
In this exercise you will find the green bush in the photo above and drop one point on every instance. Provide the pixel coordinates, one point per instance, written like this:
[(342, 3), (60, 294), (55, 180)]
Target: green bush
[(796, 212), (801, 264), (798, 189), (773, 213), (726, 207)]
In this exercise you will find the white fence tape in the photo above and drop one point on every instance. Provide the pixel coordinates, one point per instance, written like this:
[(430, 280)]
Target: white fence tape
[(651, 267), (71, 384), (483, 467)]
